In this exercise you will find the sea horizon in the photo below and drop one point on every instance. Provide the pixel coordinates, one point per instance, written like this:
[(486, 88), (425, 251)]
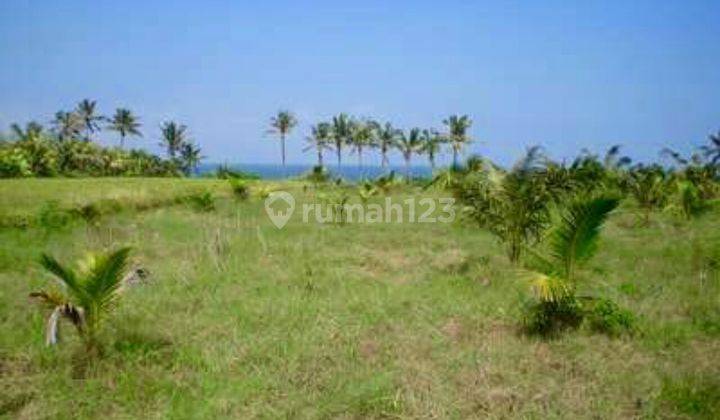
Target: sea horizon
[(349, 172)]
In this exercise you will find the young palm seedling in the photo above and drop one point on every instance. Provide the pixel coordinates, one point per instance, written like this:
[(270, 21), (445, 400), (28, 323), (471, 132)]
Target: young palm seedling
[(240, 188), (572, 243), (366, 190), (89, 293)]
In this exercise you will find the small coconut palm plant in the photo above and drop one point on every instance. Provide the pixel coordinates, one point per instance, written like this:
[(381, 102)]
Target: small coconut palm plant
[(513, 206), (366, 190), (648, 186), (571, 243), (87, 294)]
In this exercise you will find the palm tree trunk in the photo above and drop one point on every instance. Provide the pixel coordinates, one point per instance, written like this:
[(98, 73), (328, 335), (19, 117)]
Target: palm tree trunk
[(407, 168), (282, 145), (338, 148), (455, 156), (360, 165), (320, 157), (122, 141), (384, 162)]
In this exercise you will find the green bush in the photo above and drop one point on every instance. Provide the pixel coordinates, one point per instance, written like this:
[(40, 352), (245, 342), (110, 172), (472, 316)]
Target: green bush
[(14, 163), (548, 318), (240, 189), (45, 156), (224, 172), (90, 213), (51, 216), (318, 175), (609, 318), (204, 201)]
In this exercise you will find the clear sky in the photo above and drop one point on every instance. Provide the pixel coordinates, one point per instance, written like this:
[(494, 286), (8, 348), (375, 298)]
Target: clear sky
[(564, 74)]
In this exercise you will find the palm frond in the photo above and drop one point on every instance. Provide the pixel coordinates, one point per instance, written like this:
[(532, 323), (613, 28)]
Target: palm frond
[(66, 275), (106, 277), (575, 239), (550, 288), (50, 298)]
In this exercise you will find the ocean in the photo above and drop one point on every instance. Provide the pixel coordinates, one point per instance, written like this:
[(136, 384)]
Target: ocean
[(349, 172)]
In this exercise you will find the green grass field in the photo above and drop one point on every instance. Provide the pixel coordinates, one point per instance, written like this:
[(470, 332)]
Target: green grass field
[(240, 319)]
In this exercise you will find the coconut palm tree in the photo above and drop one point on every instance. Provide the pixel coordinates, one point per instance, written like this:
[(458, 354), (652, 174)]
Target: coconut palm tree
[(67, 125), (457, 134), (174, 136), (320, 139), (190, 157), (89, 294), (431, 142), (125, 123), (86, 110), (409, 144), (33, 130), (512, 205), (387, 135), (282, 124), (362, 136), (647, 184), (341, 126)]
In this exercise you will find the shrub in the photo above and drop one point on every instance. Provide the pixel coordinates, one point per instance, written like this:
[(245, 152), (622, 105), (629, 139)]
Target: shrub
[(90, 213), (203, 201), (14, 163), (240, 189), (224, 172), (548, 318), (608, 318), (318, 175), (263, 192), (51, 216)]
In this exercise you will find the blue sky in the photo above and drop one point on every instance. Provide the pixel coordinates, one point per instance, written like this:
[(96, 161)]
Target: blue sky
[(566, 75)]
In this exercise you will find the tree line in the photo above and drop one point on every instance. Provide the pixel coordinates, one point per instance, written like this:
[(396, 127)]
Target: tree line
[(344, 132), (69, 146)]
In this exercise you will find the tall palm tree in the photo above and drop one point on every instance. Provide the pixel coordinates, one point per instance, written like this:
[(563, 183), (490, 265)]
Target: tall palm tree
[(86, 110), (67, 125), (387, 135), (362, 135), (341, 125), (431, 145), (174, 136), (88, 296), (190, 156), (125, 123), (32, 131), (457, 134), (320, 139), (282, 124), (409, 144)]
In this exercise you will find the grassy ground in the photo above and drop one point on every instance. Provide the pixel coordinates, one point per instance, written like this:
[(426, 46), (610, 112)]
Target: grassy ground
[(240, 319)]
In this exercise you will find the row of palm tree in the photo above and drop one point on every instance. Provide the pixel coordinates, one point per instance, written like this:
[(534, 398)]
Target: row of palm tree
[(361, 135), (84, 121)]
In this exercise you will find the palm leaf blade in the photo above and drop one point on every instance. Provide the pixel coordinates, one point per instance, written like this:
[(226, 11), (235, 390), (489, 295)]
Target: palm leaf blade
[(575, 239)]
